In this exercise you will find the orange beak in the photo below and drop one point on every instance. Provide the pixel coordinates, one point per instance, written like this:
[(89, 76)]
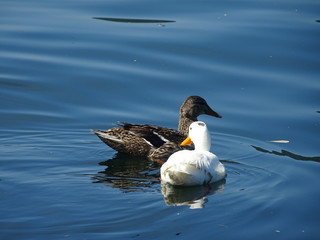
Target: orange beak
[(187, 141)]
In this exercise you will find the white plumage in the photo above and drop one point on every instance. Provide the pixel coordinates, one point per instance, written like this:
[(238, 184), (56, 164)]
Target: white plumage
[(194, 167)]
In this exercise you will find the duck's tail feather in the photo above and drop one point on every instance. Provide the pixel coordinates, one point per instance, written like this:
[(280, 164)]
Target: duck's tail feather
[(124, 141)]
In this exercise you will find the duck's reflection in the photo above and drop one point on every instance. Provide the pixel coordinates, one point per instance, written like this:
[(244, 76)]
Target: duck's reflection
[(195, 196), (129, 173), (132, 174)]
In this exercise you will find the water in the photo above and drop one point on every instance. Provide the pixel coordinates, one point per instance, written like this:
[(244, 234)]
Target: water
[(63, 72)]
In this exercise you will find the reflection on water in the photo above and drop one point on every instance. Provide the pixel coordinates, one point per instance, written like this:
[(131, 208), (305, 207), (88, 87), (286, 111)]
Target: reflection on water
[(194, 196), (133, 174), (288, 154), (129, 173)]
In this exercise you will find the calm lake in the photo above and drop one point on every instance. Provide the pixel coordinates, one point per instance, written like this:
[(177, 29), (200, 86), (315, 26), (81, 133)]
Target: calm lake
[(67, 67)]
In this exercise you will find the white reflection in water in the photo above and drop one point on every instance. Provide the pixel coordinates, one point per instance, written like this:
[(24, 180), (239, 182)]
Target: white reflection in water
[(195, 196)]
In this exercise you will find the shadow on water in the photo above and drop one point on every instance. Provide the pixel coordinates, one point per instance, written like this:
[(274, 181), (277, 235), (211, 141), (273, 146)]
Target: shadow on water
[(288, 154), (134, 174), (133, 20)]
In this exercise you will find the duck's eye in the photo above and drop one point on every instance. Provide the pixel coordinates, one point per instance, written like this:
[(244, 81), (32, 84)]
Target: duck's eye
[(190, 128)]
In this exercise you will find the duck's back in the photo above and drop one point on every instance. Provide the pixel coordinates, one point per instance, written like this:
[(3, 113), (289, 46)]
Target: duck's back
[(143, 140), (192, 168)]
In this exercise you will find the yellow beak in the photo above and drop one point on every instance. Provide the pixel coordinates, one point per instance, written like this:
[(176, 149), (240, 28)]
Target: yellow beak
[(187, 141)]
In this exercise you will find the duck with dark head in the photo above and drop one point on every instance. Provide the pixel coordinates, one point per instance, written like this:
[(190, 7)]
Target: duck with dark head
[(155, 142)]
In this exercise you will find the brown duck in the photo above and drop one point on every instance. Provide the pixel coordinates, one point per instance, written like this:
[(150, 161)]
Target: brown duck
[(155, 142)]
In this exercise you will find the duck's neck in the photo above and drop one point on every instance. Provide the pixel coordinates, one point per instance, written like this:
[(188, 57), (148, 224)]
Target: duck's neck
[(184, 124), (203, 144)]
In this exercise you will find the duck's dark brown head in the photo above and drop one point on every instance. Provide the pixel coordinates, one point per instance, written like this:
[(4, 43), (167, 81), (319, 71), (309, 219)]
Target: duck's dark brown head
[(194, 106), (190, 109)]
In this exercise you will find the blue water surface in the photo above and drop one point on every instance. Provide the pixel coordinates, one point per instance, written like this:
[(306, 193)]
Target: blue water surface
[(67, 67)]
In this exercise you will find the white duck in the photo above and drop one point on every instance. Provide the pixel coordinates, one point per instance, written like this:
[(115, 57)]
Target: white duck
[(194, 167)]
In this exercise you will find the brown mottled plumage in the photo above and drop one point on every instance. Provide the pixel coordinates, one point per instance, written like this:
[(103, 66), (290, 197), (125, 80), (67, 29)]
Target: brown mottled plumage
[(153, 141)]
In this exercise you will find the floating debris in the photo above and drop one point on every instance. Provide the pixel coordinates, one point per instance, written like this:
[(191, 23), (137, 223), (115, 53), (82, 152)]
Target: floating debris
[(133, 20), (280, 141)]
